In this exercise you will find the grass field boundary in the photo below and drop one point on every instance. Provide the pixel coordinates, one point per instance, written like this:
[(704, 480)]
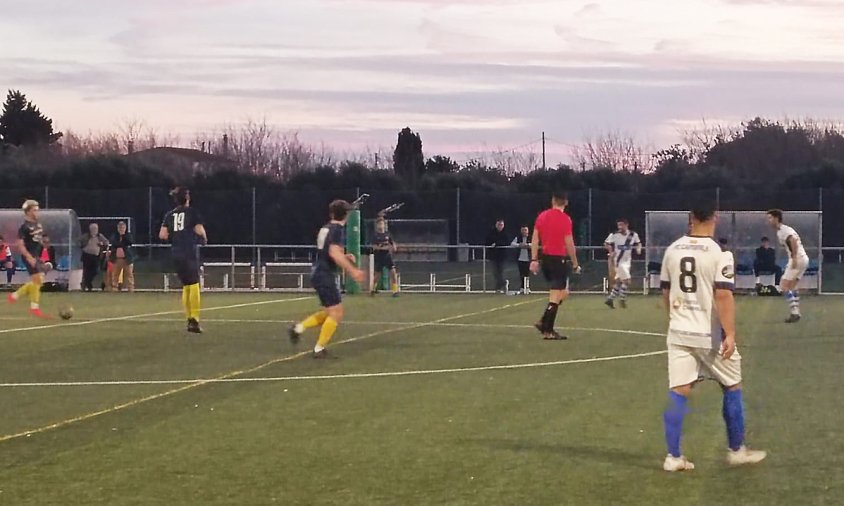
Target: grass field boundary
[(234, 374), (382, 374), (80, 323)]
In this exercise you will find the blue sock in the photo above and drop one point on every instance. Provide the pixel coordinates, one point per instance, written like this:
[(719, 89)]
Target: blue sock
[(673, 419), (733, 411)]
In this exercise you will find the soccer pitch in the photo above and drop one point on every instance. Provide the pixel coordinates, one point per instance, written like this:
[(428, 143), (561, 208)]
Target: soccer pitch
[(428, 399)]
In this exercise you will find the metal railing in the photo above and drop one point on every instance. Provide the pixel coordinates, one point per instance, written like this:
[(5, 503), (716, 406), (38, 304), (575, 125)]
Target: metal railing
[(457, 269)]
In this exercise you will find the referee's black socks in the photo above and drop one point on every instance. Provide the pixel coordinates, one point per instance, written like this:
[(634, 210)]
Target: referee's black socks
[(550, 316)]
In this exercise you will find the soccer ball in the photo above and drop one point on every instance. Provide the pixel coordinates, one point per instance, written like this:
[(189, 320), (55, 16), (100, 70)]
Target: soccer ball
[(66, 312)]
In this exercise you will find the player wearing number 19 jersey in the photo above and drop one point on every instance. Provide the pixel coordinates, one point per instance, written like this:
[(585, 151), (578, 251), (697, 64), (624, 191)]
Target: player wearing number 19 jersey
[(184, 229), (697, 282)]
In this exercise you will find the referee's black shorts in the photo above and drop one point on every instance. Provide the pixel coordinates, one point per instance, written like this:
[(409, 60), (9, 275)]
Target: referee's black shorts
[(556, 270), (187, 269)]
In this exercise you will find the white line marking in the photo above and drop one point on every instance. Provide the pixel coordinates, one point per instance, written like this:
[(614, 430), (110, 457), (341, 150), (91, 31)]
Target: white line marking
[(135, 402), (79, 323), (338, 376), (427, 324)]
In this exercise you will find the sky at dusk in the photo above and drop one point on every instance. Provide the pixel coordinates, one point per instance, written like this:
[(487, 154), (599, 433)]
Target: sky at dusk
[(468, 75)]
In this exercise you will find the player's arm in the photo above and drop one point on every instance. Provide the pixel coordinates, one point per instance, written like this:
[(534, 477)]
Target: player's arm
[(638, 244), (336, 252), (570, 249), (25, 253), (199, 229), (393, 246), (665, 284), (164, 231), (791, 242), (725, 304)]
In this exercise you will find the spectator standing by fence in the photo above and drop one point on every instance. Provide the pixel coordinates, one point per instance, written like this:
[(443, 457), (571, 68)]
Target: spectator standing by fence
[(122, 258), (93, 243), (499, 242), (522, 241)]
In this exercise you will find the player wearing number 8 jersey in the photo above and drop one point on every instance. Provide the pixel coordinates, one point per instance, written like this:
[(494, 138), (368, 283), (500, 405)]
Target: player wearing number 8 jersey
[(697, 280), (184, 229)]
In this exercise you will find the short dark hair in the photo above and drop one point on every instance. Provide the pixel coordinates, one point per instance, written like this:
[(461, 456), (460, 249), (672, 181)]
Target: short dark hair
[(560, 196), (180, 195), (704, 212), (776, 213), (622, 220), (765, 238), (338, 209)]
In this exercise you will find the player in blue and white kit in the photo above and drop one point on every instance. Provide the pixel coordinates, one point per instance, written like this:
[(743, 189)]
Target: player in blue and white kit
[(620, 246), (798, 260), (697, 282)]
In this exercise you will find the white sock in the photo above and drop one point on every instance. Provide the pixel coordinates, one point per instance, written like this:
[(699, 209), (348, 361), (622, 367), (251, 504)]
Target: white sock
[(318, 348), (33, 305), (299, 328), (14, 296)]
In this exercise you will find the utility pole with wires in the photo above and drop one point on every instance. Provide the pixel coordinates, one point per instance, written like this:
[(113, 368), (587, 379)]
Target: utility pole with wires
[(543, 151)]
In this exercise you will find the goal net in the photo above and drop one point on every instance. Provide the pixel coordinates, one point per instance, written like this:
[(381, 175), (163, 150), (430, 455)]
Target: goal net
[(743, 231)]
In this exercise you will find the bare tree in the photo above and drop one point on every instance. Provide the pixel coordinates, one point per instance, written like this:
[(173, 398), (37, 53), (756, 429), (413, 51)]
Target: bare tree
[(613, 150)]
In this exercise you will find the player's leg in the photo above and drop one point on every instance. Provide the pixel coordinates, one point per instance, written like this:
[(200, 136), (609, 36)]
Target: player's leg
[(727, 372), (328, 296), (683, 371), (329, 327), (789, 288), (188, 271), (556, 273), (624, 283), (394, 278)]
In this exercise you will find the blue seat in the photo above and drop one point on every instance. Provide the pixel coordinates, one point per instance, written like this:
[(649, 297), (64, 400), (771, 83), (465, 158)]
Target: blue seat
[(63, 264)]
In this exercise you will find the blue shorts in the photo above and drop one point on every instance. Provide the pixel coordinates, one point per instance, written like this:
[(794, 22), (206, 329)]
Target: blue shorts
[(328, 292)]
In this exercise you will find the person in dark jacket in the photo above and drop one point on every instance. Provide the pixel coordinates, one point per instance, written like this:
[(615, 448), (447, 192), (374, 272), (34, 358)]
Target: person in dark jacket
[(766, 261), (122, 258), (499, 241), (93, 244)]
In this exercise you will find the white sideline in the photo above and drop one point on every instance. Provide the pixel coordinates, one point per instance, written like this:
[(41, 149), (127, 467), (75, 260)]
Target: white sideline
[(145, 315), (420, 372)]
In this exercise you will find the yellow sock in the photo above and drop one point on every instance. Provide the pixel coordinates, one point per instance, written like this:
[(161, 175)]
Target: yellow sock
[(195, 301), (23, 290), (186, 300), (314, 320), (395, 287), (35, 294), (329, 327)]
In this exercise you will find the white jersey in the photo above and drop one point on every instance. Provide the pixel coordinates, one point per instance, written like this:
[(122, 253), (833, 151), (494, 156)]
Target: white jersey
[(783, 233), (622, 246), (693, 268)]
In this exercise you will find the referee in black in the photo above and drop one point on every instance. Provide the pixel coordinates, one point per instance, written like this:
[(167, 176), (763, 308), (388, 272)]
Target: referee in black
[(184, 229)]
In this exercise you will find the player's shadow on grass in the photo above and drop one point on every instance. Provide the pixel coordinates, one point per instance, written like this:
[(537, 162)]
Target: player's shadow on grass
[(585, 452)]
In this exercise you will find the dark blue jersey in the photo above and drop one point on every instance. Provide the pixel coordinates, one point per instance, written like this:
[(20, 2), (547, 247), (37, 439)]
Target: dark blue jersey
[(382, 239), (180, 223), (329, 235), (31, 233)]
